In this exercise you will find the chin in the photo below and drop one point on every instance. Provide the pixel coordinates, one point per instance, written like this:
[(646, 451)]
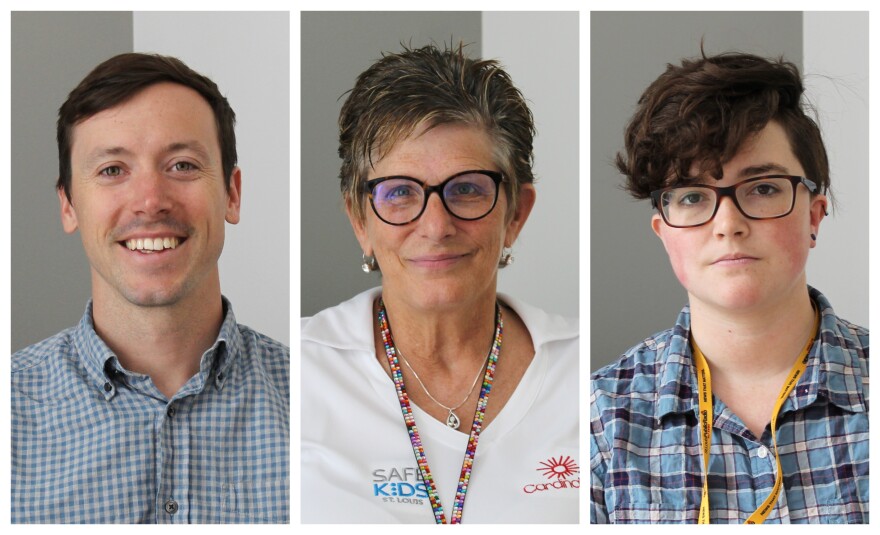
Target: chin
[(736, 297), (158, 296), (446, 296)]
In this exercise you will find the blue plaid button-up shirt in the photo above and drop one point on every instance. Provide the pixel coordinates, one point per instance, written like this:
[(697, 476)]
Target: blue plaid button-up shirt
[(645, 459), (95, 443)]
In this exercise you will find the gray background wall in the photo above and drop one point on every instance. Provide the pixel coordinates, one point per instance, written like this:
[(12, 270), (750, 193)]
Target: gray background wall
[(51, 53), (336, 47), (634, 292)]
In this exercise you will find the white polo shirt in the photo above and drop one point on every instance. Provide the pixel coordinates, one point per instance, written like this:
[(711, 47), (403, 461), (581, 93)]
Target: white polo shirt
[(357, 460)]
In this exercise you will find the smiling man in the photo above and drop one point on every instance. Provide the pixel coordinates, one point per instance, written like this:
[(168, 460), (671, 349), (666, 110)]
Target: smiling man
[(754, 407), (158, 407)]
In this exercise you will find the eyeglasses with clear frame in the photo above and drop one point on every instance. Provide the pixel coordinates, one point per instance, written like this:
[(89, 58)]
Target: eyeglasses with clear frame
[(761, 197), (468, 195)]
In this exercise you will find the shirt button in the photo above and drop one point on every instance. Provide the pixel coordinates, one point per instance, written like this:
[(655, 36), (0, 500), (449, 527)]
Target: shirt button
[(171, 507), (108, 387), (220, 377), (171, 412), (762, 452)]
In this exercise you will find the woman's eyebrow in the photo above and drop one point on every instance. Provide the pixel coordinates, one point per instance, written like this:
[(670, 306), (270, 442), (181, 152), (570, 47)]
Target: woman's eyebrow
[(764, 168)]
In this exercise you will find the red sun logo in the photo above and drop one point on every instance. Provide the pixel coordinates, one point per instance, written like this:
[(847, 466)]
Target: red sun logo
[(560, 468)]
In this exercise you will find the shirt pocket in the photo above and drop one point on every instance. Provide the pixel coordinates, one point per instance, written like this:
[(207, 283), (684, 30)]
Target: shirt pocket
[(266, 501), (653, 513)]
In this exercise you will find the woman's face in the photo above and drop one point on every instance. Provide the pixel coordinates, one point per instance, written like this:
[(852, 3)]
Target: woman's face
[(439, 261), (735, 263)]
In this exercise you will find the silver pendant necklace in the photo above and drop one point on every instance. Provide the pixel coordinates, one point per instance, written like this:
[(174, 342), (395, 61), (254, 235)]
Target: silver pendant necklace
[(452, 419)]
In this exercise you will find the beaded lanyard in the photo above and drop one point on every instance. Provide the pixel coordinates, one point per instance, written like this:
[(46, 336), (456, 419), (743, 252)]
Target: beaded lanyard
[(410, 421)]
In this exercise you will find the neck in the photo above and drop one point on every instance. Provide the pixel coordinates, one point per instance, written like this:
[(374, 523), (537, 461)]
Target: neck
[(753, 345), (164, 342), (442, 341)]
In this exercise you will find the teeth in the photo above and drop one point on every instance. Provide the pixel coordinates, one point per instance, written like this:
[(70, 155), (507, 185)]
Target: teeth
[(152, 244)]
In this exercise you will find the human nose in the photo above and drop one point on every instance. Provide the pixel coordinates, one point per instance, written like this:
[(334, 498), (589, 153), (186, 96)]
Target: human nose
[(151, 194), (729, 220), (436, 222)]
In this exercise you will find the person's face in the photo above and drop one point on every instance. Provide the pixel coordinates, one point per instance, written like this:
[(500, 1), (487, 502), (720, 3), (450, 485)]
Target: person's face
[(735, 263), (439, 260), (144, 173)]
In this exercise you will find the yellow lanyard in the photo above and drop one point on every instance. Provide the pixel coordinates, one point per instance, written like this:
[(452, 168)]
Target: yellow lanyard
[(704, 383)]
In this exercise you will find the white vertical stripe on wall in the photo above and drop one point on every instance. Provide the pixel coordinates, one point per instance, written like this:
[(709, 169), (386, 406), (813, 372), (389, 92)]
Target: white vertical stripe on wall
[(247, 55), (836, 69), (549, 241)]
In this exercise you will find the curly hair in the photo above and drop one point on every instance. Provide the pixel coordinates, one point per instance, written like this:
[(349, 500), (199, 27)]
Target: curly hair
[(700, 113), (427, 86)]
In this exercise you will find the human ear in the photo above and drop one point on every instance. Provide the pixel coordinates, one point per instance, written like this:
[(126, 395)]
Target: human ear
[(233, 201), (68, 215), (657, 225), (359, 227), (525, 201), (818, 210)]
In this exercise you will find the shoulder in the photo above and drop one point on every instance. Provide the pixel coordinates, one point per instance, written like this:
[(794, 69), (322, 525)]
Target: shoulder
[(34, 357), (853, 336), (844, 345), (559, 333), (346, 326), (48, 372), (637, 370), (271, 354)]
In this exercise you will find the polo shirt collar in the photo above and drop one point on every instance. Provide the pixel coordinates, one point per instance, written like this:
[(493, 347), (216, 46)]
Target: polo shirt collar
[(349, 325)]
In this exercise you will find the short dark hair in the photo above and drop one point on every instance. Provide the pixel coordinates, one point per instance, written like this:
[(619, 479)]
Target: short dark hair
[(700, 113), (122, 77), (428, 86)]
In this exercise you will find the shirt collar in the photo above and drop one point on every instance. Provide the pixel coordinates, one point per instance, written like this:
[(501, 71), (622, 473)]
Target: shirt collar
[(103, 367), (349, 325), (834, 369)]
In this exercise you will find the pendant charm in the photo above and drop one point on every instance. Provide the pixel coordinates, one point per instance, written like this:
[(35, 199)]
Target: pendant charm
[(452, 420)]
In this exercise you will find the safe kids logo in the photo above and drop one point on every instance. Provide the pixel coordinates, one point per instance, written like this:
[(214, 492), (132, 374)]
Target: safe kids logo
[(561, 471), (399, 485)]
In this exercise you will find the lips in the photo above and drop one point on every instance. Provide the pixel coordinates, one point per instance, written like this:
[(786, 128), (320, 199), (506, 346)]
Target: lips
[(734, 259), (436, 260)]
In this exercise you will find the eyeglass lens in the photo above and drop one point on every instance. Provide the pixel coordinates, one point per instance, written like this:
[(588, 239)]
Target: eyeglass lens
[(761, 199), (401, 200)]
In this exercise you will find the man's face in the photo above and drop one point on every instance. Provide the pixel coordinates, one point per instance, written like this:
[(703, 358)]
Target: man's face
[(735, 263), (149, 199)]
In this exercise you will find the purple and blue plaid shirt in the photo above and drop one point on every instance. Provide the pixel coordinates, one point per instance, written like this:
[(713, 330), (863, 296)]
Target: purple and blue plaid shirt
[(645, 459)]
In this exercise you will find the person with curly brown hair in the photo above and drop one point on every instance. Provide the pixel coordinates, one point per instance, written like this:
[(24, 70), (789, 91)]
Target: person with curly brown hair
[(753, 407)]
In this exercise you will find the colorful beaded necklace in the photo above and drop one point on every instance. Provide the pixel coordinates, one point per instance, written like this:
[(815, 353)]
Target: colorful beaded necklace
[(409, 419)]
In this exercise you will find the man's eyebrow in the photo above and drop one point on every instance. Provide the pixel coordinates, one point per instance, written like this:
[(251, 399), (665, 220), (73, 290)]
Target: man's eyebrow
[(194, 146), (763, 169), (102, 152)]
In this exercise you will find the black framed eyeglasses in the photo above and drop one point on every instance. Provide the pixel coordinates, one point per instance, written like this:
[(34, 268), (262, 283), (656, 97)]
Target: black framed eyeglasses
[(762, 197), (468, 195)]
